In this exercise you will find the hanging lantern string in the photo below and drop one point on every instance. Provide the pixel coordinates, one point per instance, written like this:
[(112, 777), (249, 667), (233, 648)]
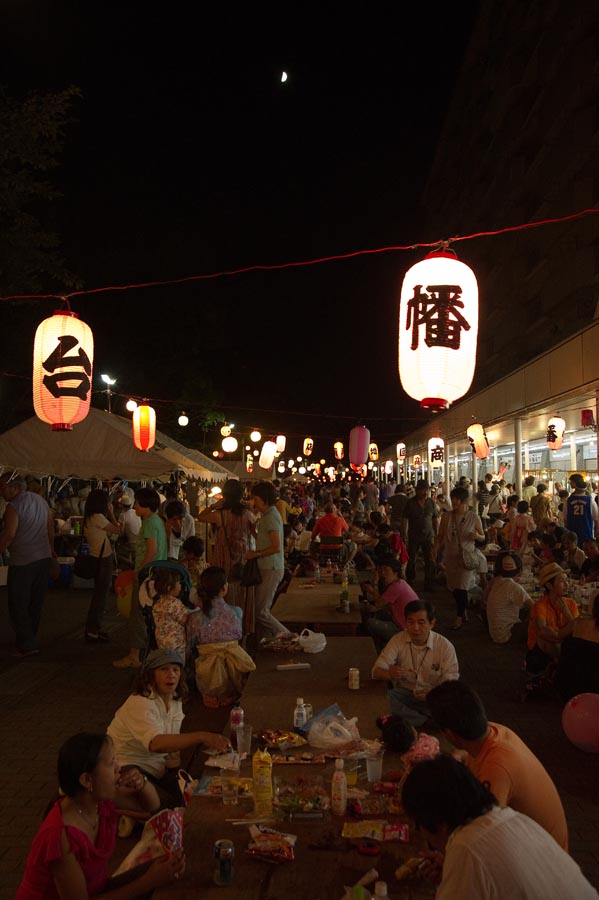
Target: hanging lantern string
[(439, 244)]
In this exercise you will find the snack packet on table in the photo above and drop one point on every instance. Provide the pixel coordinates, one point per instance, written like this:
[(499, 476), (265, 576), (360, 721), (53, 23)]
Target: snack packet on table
[(271, 845)]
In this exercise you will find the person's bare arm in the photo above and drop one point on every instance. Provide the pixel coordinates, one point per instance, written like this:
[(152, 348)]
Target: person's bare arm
[(172, 743), (11, 523), (274, 547)]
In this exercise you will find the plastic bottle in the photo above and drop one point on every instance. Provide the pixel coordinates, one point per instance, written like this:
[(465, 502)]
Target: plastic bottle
[(235, 720), (329, 566), (345, 579), (380, 890), (316, 572), (299, 714), (339, 790)]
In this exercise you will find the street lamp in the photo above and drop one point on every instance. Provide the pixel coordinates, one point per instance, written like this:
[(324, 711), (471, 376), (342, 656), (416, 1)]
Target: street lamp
[(108, 381)]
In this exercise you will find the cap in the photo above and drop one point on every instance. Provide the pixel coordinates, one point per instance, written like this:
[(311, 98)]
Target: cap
[(163, 657), (507, 564), (549, 572)]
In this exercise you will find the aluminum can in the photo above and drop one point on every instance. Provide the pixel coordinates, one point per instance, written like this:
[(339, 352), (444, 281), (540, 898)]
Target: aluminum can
[(224, 854), (353, 679)]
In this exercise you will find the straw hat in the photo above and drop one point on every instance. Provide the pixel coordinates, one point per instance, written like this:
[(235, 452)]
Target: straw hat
[(549, 572), (507, 564)]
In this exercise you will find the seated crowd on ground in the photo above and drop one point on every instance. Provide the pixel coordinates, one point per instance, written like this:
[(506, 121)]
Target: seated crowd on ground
[(197, 625)]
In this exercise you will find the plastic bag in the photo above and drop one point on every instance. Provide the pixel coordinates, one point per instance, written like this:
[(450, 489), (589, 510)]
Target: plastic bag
[(329, 729), (312, 641)]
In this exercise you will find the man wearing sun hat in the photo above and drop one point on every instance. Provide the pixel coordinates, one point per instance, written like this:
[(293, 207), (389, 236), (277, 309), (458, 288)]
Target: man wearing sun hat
[(551, 618), (506, 601)]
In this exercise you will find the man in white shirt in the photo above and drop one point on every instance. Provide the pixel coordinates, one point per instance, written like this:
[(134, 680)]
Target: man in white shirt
[(416, 660)]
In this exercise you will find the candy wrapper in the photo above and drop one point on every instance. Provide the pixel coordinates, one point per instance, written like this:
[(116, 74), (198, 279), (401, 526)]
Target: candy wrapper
[(228, 760), (168, 828), (271, 845)]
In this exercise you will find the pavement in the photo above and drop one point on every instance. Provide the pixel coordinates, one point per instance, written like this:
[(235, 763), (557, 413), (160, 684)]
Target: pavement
[(72, 686)]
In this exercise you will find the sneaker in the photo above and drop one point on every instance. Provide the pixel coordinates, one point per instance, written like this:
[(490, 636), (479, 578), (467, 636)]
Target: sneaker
[(23, 654), (97, 637)]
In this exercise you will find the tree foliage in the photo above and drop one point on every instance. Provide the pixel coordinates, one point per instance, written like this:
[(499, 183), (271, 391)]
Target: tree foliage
[(32, 135)]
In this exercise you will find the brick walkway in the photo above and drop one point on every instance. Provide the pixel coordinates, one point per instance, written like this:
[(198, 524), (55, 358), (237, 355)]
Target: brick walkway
[(71, 686)]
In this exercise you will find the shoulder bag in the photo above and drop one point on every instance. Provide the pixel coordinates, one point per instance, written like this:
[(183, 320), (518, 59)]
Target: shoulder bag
[(469, 557), (236, 569), (251, 573), (86, 566)]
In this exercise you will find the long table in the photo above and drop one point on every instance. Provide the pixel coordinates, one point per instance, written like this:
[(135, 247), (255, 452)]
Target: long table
[(268, 701), (309, 604)]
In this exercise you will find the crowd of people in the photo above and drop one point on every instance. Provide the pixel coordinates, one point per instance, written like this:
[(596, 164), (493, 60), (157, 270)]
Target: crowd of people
[(483, 809)]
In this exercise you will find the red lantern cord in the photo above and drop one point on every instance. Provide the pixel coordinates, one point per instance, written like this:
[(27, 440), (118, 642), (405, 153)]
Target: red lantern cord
[(441, 244)]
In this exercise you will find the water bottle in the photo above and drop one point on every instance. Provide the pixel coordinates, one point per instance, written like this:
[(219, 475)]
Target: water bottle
[(339, 790), (235, 720), (380, 890), (299, 714), (316, 572), (329, 566)]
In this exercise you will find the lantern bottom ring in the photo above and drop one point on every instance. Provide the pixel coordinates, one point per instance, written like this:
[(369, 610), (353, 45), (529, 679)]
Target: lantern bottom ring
[(434, 403), (61, 426)]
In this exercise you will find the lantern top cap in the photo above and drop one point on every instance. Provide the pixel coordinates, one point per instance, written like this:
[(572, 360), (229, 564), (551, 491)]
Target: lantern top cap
[(444, 252), (65, 312)]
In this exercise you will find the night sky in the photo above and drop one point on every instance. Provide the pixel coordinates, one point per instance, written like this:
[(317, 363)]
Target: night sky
[(188, 155)]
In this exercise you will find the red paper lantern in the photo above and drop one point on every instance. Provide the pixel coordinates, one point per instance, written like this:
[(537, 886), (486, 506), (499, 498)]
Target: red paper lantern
[(438, 328), (478, 441), (144, 427), (587, 418), (63, 355), (249, 463), (359, 439)]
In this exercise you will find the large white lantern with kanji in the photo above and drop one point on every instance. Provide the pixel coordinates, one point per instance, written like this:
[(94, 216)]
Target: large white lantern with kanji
[(144, 427), (63, 355), (267, 455), (477, 436), (436, 452), (359, 439), (400, 451), (438, 328), (556, 428)]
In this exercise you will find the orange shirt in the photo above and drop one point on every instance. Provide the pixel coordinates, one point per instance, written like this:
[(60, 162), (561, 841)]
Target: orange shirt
[(553, 618), (519, 780), (329, 525)]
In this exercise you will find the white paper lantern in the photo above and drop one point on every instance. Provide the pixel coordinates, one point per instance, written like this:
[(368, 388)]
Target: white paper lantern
[(436, 452), (131, 405), (389, 464), (183, 420), (281, 443), (438, 328), (373, 452), (255, 436), (401, 451), (63, 356), (338, 447), (281, 467), (229, 444), (267, 456), (556, 428), (478, 441), (308, 446)]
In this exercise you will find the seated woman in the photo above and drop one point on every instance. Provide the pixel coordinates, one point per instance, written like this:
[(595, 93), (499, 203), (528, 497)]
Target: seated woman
[(506, 600), (70, 853), (146, 728), (389, 603), (479, 849), (221, 665), (551, 619), (578, 668)]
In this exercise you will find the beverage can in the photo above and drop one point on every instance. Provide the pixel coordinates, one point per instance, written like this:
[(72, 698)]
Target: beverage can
[(224, 854), (353, 679)]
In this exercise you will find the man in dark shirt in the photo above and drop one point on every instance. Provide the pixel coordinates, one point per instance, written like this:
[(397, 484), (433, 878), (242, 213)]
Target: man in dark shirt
[(419, 527)]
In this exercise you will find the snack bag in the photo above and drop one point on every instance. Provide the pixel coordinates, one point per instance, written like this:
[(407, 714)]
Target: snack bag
[(262, 772), (168, 828)]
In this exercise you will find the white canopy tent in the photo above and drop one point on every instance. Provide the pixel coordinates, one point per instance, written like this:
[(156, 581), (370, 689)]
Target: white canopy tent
[(100, 447)]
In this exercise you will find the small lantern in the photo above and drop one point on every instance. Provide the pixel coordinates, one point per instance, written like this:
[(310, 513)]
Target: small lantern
[(302, 470), (338, 447), (438, 328), (249, 463), (556, 428), (255, 436), (478, 441), (417, 461), (373, 452), (281, 443), (359, 438), (63, 356), (401, 451), (281, 467), (230, 444), (389, 464), (131, 405), (308, 446), (587, 419), (226, 430), (144, 427), (269, 448), (183, 420), (436, 452)]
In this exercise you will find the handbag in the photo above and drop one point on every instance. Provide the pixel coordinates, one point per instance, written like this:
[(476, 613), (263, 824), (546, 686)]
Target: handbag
[(236, 570), (86, 566), (469, 557), (251, 573)]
